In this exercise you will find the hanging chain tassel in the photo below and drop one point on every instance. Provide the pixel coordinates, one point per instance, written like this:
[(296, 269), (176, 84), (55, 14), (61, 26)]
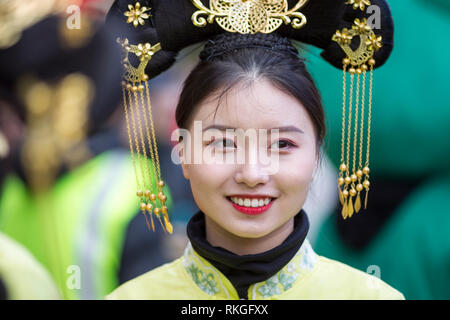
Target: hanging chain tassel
[(366, 170), (342, 167), (351, 182), (359, 172), (141, 135)]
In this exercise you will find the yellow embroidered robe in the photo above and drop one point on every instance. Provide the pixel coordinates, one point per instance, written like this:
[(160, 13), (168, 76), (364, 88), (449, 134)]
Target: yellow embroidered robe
[(306, 276)]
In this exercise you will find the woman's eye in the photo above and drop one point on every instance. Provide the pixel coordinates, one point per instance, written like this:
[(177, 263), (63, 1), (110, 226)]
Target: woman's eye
[(282, 145), (223, 143)]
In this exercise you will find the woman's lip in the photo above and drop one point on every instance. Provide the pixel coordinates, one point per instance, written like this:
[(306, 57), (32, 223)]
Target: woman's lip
[(251, 210), (250, 196)]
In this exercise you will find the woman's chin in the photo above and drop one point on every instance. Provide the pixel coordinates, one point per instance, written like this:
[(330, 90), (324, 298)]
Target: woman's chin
[(249, 231)]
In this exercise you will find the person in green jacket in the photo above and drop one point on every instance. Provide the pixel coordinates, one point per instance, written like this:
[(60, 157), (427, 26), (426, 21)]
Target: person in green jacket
[(402, 237), (249, 238), (68, 191), (21, 275)]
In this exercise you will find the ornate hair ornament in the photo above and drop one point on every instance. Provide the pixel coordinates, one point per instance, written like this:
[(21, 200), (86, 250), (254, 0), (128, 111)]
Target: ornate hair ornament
[(143, 51), (141, 133), (137, 14), (139, 120), (176, 24), (353, 174), (249, 16), (361, 4)]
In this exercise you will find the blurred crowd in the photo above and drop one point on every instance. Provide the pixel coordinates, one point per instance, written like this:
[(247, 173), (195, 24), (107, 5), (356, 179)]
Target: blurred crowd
[(70, 222)]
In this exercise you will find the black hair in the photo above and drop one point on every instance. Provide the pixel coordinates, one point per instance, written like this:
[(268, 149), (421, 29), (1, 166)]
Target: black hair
[(230, 59)]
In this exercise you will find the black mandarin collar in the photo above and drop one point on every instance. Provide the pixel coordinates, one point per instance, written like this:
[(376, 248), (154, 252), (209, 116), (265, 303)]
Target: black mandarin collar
[(245, 270)]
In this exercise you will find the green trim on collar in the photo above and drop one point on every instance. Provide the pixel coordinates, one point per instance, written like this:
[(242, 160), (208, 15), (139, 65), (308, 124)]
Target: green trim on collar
[(300, 265), (214, 283), (209, 279)]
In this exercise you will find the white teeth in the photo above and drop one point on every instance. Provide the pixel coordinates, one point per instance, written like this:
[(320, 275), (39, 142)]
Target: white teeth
[(255, 203)]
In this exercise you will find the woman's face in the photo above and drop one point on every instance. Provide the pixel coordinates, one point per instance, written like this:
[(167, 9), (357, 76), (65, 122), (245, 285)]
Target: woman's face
[(216, 185)]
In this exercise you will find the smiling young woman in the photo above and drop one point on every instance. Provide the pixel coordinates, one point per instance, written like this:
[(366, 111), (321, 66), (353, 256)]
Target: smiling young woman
[(247, 209), (248, 240)]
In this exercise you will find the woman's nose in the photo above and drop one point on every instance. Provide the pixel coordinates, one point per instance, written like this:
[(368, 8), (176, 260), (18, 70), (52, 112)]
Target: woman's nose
[(251, 175), (252, 170)]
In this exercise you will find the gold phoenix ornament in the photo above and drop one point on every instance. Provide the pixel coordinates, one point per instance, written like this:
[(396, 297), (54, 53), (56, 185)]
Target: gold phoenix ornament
[(249, 16), (138, 116), (352, 181)]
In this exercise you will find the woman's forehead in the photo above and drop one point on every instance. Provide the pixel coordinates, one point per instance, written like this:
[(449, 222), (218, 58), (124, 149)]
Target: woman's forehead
[(260, 105)]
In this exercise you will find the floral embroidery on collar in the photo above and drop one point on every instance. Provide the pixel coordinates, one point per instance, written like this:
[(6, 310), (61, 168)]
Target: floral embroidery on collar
[(205, 276), (302, 263), (213, 282)]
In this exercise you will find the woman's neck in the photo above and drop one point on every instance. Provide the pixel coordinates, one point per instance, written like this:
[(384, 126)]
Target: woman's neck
[(219, 237)]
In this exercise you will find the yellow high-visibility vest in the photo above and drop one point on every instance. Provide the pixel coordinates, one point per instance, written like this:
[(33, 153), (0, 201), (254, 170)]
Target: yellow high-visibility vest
[(77, 229)]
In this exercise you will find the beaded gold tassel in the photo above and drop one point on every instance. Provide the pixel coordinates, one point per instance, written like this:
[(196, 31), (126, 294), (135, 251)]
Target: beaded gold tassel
[(141, 134), (354, 177)]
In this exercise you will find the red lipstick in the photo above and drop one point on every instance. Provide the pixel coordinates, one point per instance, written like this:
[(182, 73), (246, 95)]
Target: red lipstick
[(251, 210)]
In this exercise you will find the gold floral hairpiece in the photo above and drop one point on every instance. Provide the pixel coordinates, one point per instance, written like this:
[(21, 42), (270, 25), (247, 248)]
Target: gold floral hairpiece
[(137, 14), (249, 16)]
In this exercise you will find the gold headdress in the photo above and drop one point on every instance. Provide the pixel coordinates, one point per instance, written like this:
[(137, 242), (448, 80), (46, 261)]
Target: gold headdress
[(249, 16), (180, 23), (353, 174), (140, 127), (232, 15), (266, 16)]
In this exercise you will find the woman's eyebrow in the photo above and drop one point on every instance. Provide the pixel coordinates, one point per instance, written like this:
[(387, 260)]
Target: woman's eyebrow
[(280, 129)]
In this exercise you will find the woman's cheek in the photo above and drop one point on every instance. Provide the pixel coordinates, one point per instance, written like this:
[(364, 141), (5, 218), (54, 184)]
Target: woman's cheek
[(215, 173), (209, 177), (297, 168), (296, 176)]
